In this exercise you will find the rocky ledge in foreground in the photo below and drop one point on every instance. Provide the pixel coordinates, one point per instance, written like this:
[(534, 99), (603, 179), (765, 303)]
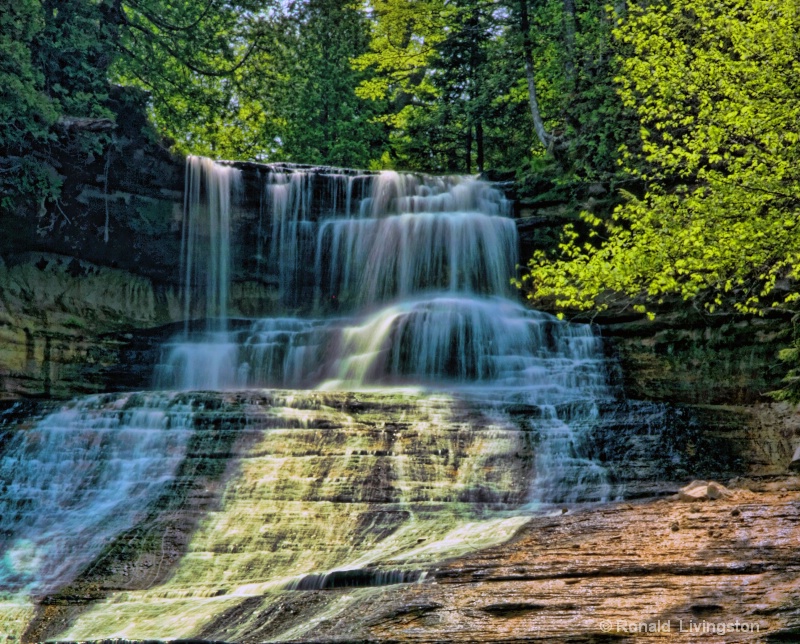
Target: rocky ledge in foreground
[(604, 574), (723, 570)]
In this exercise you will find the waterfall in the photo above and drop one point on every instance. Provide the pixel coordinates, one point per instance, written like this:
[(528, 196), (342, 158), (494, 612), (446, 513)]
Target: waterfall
[(79, 477), (410, 276), (273, 475), (379, 259), (485, 342), (294, 199), (209, 191)]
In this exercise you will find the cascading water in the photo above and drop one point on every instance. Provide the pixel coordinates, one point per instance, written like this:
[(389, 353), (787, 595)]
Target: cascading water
[(209, 190), (78, 478), (411, 276), (385, 281), (378, 259)]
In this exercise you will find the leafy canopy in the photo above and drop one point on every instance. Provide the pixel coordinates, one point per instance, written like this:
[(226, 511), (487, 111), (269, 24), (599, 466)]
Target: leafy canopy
[(322, 120), (205, 66), (715, 84), (55, 59)]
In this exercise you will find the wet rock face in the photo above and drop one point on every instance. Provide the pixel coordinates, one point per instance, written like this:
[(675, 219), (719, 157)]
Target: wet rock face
[(282, 493), (649, 447), (70, 327), (683, 358)]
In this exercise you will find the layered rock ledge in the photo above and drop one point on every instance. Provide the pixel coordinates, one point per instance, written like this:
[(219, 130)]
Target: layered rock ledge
[(606, 574)]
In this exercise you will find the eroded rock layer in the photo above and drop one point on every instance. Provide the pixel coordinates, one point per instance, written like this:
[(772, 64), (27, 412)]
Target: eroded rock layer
[(286, 490), (715, 571)]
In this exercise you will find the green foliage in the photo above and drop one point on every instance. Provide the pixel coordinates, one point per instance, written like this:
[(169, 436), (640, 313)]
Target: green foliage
[(55, 62), (715, 85), (422, 84), (253, 79), (404, 37), (576, 59), (323, 121), (399, 73), (448, 74), (451, 75), (205, 67), (74, 51), (596, 121), (25, 110)]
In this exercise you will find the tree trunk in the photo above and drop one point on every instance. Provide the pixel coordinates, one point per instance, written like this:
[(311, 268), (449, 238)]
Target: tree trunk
[(479, 141), (525, 27), (569, 40)]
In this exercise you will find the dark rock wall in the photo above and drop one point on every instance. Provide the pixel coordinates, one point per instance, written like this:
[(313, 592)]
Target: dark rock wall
[(135, 182), (686, 358)]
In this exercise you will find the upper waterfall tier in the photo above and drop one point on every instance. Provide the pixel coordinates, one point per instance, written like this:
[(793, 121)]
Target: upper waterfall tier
[(318, 192), (331, 240), (407, 275), (375, 260), (206, 239)]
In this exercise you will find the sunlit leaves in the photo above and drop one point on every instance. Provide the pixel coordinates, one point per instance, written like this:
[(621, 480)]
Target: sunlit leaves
[(716, 85), (206, 66)]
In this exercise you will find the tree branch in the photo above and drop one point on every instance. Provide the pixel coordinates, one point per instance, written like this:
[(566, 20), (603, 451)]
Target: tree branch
[(168, 27), (155, 40)]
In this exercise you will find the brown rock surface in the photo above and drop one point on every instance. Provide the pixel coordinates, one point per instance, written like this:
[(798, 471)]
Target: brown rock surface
[(588, 575)]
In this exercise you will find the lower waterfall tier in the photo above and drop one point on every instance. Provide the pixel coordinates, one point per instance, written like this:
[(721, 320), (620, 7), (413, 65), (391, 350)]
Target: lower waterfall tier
[(276, 492), (442, 339), (241, 504)]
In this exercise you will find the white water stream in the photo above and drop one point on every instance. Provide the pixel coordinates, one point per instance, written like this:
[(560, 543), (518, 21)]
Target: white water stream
[(407, 286)]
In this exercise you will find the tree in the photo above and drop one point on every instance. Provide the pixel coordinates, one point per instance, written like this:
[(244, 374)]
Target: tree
[(207, 66), (322, 119), (715, 84), (25, 111), (525, 31), (56, 59), (404, 36), (59, 56), (448, 75), (460, 75)]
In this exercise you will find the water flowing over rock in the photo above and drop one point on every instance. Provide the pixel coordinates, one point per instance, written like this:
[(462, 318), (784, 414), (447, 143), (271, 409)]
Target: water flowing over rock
[(377, 259), (79, 477), (393, 407), (413, 273), (206, 238)]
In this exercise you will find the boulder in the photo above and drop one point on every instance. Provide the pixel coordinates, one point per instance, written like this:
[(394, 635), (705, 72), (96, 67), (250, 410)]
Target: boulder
[(795, 463), (704, 491)]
